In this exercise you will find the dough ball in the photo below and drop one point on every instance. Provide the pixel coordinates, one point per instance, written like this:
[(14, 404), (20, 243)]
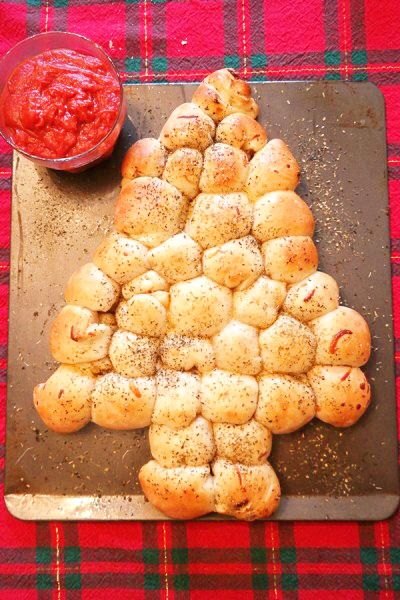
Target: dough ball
[(142, 314), (312, 297), (221, 93), (228, 398), (249, 444), (245, 492), (199, 307), (63, 402), (162, 297), (215, 219), (279, 214), (177, 259), (147, 283), (237, 350), (107, 319), (183, 170), (192, 445), (188, 126), (98, 367), (224, 170), (76, 336), (147, 157), (178, 398), (180, 493), (183, 353), (290, 259), (343, 338), (121, 258), (285, 403), (122, 403), (88, 286), (272, 168), (133, 355), (150, 210), (241, 131), (342, 393), (259, 304), (237, 263), (287, 346)]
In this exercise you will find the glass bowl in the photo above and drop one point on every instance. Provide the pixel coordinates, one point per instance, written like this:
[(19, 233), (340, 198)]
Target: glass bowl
[(53, 40)]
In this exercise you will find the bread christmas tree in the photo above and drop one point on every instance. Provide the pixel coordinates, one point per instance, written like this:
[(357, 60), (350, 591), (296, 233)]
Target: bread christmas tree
[(203, 315)]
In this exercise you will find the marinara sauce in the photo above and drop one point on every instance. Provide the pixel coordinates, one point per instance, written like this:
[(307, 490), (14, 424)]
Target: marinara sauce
[(61, 103)]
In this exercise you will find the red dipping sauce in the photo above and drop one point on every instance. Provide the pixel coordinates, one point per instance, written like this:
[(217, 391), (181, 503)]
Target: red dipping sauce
[(61, 103)]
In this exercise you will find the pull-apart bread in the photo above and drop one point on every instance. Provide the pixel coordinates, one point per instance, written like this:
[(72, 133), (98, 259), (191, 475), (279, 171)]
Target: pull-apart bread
[(203, 315)]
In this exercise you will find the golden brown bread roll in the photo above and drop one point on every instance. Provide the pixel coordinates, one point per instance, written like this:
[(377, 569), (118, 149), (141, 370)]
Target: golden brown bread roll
[(88, 286), (142, 314), (279, 214), (237, 350), (188, 127), (272, 168), (221, 93), (147, 283), (192, 445), (342, 394), (178, 398), (199, 307), (215, 219), (245, 492), (287, 346), (285, 403), (259, 304), (121, 258), (183, 353), (235, 264), (107, 318), (122, 403), (249, 444), (150, 210), (162, 297), (183, 170), (98, 367), (228, 398), (76, 336), (147, 157), (343, 338), (177, 259), (290, 259), (312, 297), (133, 355), (224, 170), (241, 131), (63, 402), (180, 493)]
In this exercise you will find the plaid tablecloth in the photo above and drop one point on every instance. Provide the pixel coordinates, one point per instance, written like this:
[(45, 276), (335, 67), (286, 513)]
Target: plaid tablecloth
[(155, 40)]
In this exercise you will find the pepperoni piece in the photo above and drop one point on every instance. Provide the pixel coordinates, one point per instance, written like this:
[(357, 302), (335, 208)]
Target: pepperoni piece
[(336, 338)]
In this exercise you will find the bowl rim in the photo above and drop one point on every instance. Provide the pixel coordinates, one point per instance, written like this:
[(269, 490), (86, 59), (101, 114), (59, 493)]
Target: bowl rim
[(76, 157)]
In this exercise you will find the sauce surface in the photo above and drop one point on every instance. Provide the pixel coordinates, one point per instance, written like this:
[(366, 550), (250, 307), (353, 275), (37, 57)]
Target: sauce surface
[(60, 103)]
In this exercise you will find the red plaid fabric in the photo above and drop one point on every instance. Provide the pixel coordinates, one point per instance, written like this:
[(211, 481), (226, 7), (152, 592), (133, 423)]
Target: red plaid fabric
[(155, 40)]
